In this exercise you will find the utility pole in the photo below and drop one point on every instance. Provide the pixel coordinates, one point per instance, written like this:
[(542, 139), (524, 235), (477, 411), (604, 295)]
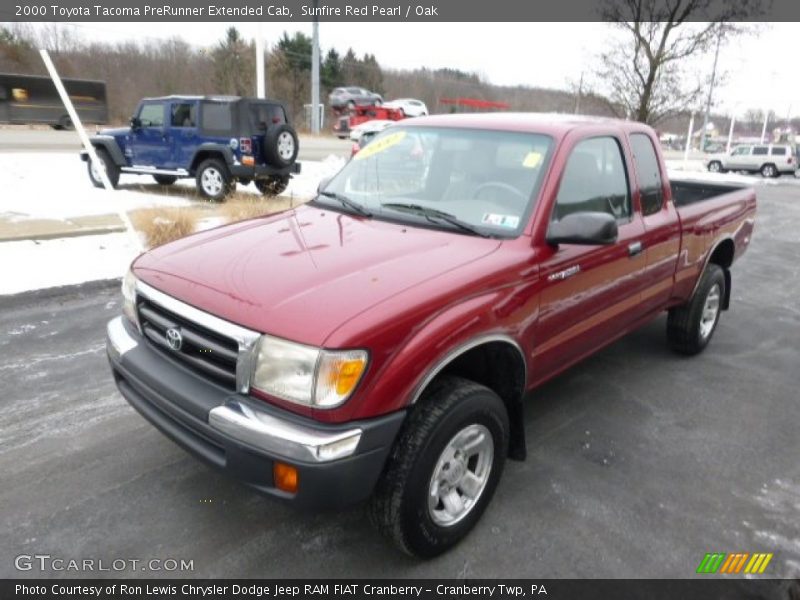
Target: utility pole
[(315, 72), (730, 135), (688, 140), (710, 92), (578, 97), (764, 128), (261, 88)]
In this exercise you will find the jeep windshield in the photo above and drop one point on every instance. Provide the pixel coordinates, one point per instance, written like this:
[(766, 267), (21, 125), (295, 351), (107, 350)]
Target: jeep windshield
[(473, 181)]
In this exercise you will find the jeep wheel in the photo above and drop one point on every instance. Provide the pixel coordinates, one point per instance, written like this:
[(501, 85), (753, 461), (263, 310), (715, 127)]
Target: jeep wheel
[(280, 145), (444, 468), (213, 180), (272, 186), (107, 165), (165, 179)]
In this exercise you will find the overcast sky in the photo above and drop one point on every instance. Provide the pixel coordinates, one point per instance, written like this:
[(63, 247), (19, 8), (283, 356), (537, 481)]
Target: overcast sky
[(761, 68)]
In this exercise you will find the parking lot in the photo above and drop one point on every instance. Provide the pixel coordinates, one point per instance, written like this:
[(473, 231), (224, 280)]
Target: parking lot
[(640, 461)]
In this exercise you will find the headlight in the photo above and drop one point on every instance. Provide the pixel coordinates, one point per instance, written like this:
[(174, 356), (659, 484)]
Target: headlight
[(305, 374), (129, 298)]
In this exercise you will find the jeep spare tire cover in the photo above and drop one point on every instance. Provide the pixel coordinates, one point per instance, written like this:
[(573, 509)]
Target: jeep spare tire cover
[(280, 145)]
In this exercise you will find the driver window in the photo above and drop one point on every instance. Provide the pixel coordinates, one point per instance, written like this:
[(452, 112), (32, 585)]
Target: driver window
[(183, 115), (741, 150), (152, 115), (594, 180)]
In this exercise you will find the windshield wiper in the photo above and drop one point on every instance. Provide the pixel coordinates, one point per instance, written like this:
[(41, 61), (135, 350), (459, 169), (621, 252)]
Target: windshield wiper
[(432, 214), (354, 206)]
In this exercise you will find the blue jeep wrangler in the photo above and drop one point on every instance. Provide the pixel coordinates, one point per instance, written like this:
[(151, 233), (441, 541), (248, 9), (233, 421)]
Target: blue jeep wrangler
[(218, 140)]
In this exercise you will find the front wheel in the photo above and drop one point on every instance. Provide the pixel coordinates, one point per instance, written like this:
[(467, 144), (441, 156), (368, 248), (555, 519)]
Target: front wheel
[(272, 186), (213, 180), (444, 468), (107, 165), (715, 167), (690, 326)]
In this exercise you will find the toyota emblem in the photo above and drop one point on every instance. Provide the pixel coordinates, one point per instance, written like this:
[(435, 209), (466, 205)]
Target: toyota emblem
[(174, 339)]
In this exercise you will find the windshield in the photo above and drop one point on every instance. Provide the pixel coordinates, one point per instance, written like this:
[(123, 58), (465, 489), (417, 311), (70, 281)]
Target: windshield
[(487, 180)]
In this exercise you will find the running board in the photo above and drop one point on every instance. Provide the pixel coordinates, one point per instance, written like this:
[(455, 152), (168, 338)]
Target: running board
[(147, 171)]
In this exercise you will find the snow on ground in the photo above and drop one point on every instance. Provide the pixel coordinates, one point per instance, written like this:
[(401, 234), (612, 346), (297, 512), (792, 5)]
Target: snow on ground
[(64, 191), (696, 170), (57, 186)]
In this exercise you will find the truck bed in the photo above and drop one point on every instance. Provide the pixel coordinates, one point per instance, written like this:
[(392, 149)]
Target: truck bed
[(688, 192)]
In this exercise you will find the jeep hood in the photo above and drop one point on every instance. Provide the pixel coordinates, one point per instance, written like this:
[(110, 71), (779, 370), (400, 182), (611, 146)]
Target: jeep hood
[(301, 274)]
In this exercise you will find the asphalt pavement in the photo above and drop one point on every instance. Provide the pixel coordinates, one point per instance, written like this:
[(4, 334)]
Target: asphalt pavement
[(23, 139), (640, 463)]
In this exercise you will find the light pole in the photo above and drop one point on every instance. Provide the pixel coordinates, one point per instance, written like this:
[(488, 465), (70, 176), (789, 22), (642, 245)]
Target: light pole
[(315, 72), (261, 87), (710, 92)]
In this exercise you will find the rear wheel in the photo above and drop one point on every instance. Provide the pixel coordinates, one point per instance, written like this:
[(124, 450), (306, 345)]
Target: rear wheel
[(769, 171), (107, 165), (444, 468), (690, 327), (165, 179), (272, 186), (213, 179)]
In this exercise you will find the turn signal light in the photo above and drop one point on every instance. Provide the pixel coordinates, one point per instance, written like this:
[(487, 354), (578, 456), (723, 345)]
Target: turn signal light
[(248, 161), (285, 477)]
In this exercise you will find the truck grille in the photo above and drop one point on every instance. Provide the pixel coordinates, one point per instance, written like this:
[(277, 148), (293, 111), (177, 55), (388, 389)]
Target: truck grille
[(205, 351)]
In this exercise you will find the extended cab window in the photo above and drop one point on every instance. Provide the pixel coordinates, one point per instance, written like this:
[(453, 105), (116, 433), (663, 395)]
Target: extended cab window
[(183, 115), (594, 180), (760, 150), (152, 115), (650, 184)]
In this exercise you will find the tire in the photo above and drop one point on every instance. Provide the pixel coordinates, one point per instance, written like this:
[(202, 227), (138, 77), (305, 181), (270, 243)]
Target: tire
[(453, 410), (691, 326), (769, 170), (715, 167), (112, 170), (272, 186), (351, 105), (244, 181), (377, 102), (280, 145), (65, 123), (165, 179), (213, 180)]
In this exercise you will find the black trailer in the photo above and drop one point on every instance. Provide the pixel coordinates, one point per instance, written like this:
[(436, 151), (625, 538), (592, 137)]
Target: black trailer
[(32, 99)]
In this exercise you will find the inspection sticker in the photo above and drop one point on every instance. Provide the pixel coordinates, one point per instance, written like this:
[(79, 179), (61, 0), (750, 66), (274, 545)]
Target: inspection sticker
[(508, 221), (532, 160), (380, 145)]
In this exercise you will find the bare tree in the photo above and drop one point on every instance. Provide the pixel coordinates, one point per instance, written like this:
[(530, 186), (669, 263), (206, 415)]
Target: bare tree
[(645, 70)]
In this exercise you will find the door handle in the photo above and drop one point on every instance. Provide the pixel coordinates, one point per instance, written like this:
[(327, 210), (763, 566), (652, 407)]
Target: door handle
[(635, 248)]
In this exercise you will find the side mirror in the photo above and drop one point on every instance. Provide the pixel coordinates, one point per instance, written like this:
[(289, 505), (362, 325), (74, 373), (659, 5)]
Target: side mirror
[(590, 228), (136, 123), (323, 183)]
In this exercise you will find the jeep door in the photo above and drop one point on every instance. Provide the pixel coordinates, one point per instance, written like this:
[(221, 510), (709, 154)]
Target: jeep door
[(590, 293), (182, 133), (149, 142)]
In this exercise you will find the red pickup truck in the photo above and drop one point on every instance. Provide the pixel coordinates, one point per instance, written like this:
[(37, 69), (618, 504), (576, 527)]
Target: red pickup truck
[(379, 341)]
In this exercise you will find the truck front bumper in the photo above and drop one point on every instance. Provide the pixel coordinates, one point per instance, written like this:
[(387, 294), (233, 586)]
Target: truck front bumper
[(337, 465)]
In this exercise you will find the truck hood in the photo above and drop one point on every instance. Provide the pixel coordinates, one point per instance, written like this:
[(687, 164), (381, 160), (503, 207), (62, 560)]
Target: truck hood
[(301, 274)]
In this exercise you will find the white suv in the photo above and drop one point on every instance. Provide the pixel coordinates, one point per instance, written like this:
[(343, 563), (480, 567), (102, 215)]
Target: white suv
[(767, 159)]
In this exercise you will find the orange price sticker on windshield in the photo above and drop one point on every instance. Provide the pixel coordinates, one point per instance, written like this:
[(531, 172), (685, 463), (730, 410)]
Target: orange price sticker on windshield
[(380, 145)]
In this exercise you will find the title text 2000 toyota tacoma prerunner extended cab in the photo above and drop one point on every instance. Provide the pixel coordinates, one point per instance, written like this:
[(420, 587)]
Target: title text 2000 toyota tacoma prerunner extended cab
[(378, 342)]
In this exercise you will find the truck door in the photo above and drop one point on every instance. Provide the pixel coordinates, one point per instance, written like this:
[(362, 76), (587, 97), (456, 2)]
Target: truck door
[(182, 133), (149, 141), (662, 241), (590, 293)]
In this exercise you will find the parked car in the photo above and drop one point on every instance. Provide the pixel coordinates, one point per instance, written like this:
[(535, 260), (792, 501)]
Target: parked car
[(364, 139), (34, 99), (410, 106), (768, 159), (380, 341), (376, 125), (219, 141), (350, 97)]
